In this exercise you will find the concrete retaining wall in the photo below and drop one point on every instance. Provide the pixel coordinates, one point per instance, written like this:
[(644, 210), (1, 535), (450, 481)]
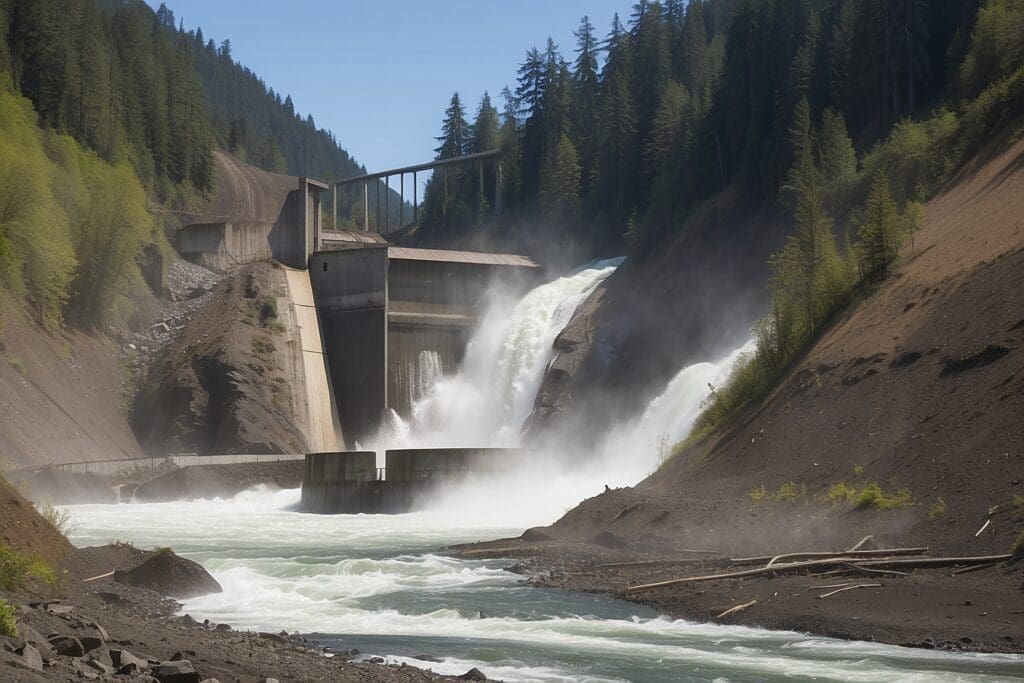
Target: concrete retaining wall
[(348, 483)]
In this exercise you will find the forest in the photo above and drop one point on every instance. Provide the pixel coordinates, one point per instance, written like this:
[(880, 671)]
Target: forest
[(111, 112), (838, 118)]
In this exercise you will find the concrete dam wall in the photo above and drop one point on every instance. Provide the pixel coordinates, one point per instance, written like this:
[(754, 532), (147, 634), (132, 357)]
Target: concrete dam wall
[(349, 482)]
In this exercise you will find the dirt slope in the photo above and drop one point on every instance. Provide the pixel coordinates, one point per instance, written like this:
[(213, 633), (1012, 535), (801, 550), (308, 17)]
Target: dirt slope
[(62, 396), (25, 530), (920, 387), (231, 381), (244, 193)]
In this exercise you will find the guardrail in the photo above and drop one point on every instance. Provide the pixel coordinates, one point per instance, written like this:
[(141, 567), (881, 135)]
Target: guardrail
[(107, 467)]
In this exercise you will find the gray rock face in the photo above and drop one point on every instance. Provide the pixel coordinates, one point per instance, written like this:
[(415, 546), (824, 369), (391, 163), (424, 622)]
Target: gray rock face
[(171, 575)]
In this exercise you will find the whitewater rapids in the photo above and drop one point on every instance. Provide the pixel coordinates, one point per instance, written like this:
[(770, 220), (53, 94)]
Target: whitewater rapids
[(382, 583)]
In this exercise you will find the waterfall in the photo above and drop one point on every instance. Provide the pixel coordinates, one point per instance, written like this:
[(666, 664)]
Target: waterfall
[(486, 402)]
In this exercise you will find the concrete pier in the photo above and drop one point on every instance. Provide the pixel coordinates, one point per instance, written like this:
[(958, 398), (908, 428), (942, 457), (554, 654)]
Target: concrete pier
[(348, 482)]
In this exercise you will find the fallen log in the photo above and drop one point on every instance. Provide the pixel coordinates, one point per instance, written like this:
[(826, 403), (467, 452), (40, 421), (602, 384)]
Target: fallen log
[(97, 578), (772, 559), (645, 563), (915, 563), (737, 608), (920, 562), (859, 543), (972, 568), (849, 588), (868, 570)]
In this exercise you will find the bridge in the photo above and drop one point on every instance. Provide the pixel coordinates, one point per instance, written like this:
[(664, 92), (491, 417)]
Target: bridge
[(479, 159)]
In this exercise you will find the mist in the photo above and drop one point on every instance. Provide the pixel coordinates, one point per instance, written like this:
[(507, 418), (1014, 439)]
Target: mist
[(487, 401)]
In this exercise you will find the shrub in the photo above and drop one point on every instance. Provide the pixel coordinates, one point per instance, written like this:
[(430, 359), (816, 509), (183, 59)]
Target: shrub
[(268, 309), (937, 509), (840, 493), (60, 519), (874, 496), (1017, 547), (17, 569), (8, 625)]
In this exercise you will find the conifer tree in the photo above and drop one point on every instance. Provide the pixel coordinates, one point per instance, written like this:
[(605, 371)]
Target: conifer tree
[(454, 131), (879, 228), (560, 182)]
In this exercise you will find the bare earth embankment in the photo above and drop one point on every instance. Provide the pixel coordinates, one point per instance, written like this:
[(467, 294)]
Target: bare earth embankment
[(904, 421)]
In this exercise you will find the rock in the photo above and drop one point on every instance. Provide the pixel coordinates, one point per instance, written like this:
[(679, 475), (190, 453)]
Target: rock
[(473, 674), (180, 671), (177, 656), (271, 680), (60, 609), (34, 638), (90, 643), (223, 627), (123, 658), (128, 670), (32, 657), (171, 575), (67, 646), (188, 620), (429, 658), (160, 327), (100, 666), (274, 637), (376, 660)]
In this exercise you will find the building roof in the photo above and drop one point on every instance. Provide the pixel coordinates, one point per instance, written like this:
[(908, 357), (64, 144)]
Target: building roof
[(356, 236), (449, 256)]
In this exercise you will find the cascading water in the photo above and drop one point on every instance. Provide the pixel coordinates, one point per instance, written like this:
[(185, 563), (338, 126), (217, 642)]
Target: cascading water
[(378, 583), (486, 402)]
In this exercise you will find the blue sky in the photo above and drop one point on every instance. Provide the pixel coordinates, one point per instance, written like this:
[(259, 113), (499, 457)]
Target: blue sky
[(380, 74)]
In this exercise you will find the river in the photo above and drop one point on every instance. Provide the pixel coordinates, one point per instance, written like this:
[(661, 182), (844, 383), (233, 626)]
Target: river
[(384, 585)]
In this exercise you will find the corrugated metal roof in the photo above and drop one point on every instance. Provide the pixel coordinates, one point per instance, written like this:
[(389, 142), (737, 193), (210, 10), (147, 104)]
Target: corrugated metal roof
[(448, 256)]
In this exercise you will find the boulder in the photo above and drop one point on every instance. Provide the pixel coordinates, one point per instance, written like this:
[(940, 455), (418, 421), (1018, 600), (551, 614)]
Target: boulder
[(473, 674), (122, 658), (171, 575), (67, 646), (180, 671), (32, 658)]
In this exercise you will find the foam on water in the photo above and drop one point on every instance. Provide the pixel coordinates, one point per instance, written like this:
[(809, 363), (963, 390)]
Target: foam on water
[(383, 584), (379, 583)]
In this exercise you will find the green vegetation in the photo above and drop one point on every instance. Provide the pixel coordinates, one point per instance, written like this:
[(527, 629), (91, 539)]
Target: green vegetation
[(1017, 547), (873, 496), (937, 509), (787, 492), (59, 519), (811, 279), (71, 224), (262, 346), (8, 624), (17, 569)]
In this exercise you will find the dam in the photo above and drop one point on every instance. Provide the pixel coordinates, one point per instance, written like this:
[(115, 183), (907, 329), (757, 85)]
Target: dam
[(378, 321)]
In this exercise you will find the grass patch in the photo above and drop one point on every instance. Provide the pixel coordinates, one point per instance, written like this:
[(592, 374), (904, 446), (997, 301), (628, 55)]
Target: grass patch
[(17, 363), (262, 346), (17, 569), (858, 471), (8, 626), (873, 496), (790, 492), (162, 550), (937, 509), (1017, 547), (840, 493)]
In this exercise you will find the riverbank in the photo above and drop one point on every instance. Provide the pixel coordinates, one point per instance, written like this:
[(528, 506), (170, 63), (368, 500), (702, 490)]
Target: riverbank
[(942, 609)]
